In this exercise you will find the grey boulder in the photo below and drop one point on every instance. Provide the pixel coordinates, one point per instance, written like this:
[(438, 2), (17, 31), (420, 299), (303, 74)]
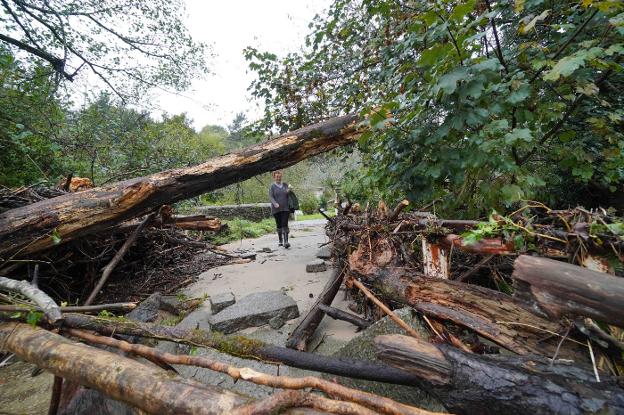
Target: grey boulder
[(220, 301), (255, 310)]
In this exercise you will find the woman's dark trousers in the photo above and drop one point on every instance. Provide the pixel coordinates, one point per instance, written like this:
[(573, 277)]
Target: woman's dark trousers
[(281, 222)]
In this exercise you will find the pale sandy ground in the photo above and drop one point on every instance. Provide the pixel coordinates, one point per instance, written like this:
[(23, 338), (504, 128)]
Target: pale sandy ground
[(282, 269)]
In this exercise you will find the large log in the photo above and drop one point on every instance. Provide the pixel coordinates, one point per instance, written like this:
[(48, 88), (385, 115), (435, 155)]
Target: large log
[(468, 383), (496, 316), (31, 228), (146, 387), (566, 290)]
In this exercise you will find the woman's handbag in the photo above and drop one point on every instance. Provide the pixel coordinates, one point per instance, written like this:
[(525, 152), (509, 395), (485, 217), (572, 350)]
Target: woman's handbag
[(293, 202)]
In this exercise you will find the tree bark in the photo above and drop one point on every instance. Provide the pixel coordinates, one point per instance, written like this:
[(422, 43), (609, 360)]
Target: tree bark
[(566, 290), (146, 387), (494, 315), (45, 303), (28, 229), (301, 335), (337, 314), (245, 347), (468, 383)]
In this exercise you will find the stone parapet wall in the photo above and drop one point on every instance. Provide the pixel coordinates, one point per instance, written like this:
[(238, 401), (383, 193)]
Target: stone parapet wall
[(254, 212)]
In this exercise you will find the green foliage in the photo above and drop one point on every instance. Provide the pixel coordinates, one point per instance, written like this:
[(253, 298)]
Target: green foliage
[(478, 106), (241, 228), (308, 204), (29, 118), (34, 317)]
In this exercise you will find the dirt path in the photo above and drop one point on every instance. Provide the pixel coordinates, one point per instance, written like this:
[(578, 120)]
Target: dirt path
[(280, 269)]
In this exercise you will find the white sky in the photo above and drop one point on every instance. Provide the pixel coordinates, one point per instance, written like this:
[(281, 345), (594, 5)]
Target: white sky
[(277, 26)]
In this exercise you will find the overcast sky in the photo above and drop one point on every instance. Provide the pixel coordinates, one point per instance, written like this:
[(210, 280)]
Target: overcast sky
[(277, 26)]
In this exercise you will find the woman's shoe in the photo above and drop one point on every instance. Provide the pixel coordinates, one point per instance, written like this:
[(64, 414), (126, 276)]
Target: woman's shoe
[(286, 244)]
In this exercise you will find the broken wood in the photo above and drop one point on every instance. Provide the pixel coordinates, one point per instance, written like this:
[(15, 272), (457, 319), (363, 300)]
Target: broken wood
[(435, 260), (470, 383), (560, 289), (337, 314), (384, 308), (381, 404), (30, 228), (243, 347), (398, 209), (496, 316), (47, 305), (117, 376), (118, 256), (304, 331), (196, 223)]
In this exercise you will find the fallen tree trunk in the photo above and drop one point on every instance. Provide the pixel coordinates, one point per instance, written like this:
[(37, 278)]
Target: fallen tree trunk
[(560, 290), (119, 377), (41, 225), (197, 223), (473, 384), (244, 347), (493, 315), (376, 402), (301, 335)]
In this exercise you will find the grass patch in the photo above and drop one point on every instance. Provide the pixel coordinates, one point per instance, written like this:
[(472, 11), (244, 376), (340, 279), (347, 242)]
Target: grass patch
[(315, 216), (242, 229)]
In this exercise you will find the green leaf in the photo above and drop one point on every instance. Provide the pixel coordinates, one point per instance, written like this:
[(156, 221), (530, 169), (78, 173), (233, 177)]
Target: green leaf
[(617, 228), (492, 64), (56, 237), (434, 54), (613, 49), (564, 67), (585, 172), (518, 134), (448, 82), (511, 192), (589, 89), (34, 317), (461, 10), (519, 94)]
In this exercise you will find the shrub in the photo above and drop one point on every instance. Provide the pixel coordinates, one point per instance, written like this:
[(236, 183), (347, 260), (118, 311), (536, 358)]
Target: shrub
[(308, 204)]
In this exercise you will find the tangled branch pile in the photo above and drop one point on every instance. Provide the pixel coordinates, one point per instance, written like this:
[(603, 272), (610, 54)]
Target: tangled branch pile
[(544, 286)]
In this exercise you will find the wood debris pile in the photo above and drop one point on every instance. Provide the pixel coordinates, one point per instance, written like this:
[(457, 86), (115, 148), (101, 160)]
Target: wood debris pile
[(162, 258), (521, 310)]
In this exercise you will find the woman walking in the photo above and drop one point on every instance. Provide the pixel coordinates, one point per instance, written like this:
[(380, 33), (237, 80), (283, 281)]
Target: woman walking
[(278, 195)]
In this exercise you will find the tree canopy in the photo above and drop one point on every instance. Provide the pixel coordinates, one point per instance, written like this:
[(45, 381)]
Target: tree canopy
[(129, 46), (477, 103)]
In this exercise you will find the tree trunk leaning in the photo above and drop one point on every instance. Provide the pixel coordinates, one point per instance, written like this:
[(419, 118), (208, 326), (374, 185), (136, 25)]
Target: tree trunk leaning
[(30, 228)]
